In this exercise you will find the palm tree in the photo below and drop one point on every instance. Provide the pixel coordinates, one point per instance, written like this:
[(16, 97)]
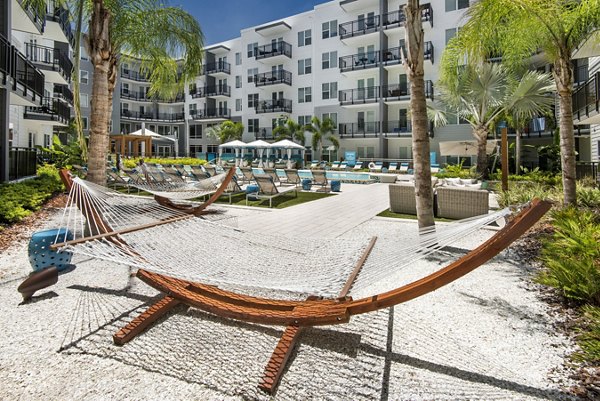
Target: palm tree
[(322, 130), (227, 131), (418, 108), (290, 130), (483, 93), (150, 32), (517, 29)]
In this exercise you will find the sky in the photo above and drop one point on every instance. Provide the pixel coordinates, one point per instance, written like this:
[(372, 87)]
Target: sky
[(222, 20)]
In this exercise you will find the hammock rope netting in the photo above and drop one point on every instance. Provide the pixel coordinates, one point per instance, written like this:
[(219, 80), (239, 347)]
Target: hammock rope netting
[(177, 189), (191, 248)]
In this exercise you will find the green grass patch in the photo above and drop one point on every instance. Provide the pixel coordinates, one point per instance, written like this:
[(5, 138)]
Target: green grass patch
[(281, 202), (389, 213)]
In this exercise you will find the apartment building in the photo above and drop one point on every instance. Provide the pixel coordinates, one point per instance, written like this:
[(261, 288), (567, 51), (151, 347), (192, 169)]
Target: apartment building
[(35, 76)]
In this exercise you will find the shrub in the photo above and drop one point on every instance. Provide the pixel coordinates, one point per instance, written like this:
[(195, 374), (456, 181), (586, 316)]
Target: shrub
[(572, 255), (19, 200), (534, 176), (589, 337), (132, 163), (457, 171), (522, 192), (588, 197)]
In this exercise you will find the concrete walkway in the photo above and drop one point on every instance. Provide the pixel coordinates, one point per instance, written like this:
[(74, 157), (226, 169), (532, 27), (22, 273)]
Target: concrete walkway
[(325, 218)]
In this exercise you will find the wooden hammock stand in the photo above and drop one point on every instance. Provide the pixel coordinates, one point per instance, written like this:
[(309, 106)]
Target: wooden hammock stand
[(314, 311)]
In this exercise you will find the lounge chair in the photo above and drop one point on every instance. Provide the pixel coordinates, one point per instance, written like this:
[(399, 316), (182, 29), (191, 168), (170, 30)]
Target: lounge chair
[(267, 189), (376, 168), (358, 166), (403, 168), (343, 165), (292, 177), (319, 178), (393, 167), (211, 171), (273, 174), (314, 164), (115, 180), (335, 165), (248, 175), (232, 189), (435, 168)]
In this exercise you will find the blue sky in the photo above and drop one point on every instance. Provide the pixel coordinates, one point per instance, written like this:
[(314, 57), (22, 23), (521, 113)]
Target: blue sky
[(223, 19)]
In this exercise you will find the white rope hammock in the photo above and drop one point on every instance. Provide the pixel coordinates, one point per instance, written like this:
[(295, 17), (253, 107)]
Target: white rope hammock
[(195, 249), (181, 190)]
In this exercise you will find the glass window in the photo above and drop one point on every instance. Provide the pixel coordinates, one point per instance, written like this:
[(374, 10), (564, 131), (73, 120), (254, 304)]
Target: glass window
[(405, 152), (329, 60), (329, 90), (195, 132), (253, 125), (329, 29), (331, 116), (84, 122), (252, 100), (304, 66), (304, 120), (238, 81), (84, 77), (238, 58), (304, 38), (238, 104), (84, 100), (305, 95), (450, 33), (251, 73)]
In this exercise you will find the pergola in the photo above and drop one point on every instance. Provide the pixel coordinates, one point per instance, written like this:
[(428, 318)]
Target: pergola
[(236, 145), (289, 146), (125, 142)]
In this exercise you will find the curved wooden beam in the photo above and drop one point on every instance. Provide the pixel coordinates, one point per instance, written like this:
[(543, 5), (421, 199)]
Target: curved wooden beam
[(200, 209), (327, 311)]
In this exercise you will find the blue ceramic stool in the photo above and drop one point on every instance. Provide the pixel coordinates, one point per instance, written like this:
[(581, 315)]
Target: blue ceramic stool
[(306, 184), (336, 186), (40, 254)]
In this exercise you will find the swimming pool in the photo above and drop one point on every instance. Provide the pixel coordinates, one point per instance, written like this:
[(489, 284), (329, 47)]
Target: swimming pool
[(343, 176)]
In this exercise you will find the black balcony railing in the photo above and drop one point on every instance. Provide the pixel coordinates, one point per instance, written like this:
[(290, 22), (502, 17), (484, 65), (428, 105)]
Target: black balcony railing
[(402, 91), (586, 99), (359, 27), (360, 61), (218, 112), (36, 15), (134, 75), (428, 52), (60, 15), (214, 68), (50, 59), (274, 106), (398, 128), (149, 116), (143, 97), (26, 78), (52, 109), (362, 129), (208, 91), (273, 78), (280, 48), (395, 55), (22, 162), (360, 95), (397, 18), (264, 134), (63, 93)]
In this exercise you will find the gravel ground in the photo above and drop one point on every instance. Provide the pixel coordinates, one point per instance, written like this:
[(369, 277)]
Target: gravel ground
[(485, 337)]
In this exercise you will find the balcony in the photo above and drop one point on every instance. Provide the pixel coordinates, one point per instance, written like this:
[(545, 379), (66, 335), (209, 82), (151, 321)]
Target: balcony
[(397, 19), (63, 93), (20, 75), (134, 75), (361, 129), (266, 134), (393, 56), (396, 93), (359, 27), (211, 91), (359, 62), (211, 114), (162, 117), (359, 96), (220, 67), (143, 97), (274, 106), (52, 109), (586, 102), (398, 128), (272, 50), (60, 15), (273, 78), (54, 62), (29, 18)]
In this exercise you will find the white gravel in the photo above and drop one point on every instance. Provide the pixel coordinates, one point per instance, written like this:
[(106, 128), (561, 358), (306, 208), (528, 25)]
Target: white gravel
[(484, 337)]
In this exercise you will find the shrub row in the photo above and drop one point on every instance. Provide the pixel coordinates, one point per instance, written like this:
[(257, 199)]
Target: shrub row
[(19, 200), (132, 163)]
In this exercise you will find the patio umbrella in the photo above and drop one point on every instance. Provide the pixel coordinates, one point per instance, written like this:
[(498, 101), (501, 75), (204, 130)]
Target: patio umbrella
[(289, 146), (464, 148), (236, 145), (260, 146)]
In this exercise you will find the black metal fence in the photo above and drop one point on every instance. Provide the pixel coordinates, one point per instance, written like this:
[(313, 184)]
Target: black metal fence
[(22, 162)]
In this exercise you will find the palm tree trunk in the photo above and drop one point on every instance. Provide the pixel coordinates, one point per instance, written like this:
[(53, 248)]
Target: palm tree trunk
[(482, 161), (100, 50), (76, 82), (563, 75), (418, 110), (518, 152)]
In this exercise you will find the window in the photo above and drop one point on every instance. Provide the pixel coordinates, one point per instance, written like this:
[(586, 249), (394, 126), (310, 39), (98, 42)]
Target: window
[(193, 107), (253, 125), (238, 81), (195, 132), (304, 66), (304, 38), (82, 53), (31, 142), (330, 60), (238, 58), (330, 29), (405, 152), (450, 33), (84, 100), (84, 77), (212, 148), (238, 104), (84, 122), (329, 90), (304, 120), (452, 5), (252, 49), (305, 95), (251, 73), (365, 152), (332, 117), (252, 100), (46, 140)]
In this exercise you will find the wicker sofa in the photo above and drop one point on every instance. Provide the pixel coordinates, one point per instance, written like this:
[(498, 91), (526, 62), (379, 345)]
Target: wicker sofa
[(460, 203)]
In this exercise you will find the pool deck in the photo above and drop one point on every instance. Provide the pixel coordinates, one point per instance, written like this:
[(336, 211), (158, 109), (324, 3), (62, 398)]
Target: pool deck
[(326, 218)]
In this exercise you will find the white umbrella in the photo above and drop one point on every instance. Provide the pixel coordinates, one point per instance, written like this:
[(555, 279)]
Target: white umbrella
[(236, 145), (464, 148), (260, 146), (289, 146)]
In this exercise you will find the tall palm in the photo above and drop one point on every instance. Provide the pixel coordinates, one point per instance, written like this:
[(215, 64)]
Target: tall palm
[(418, 108), (227, 131), (516, 29), (150, 32), (290, 130), (483, 93), (322, 130)]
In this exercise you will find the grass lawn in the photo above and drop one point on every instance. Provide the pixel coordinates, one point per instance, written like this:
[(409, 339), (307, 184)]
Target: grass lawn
[(388, 213), (280, 202)]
